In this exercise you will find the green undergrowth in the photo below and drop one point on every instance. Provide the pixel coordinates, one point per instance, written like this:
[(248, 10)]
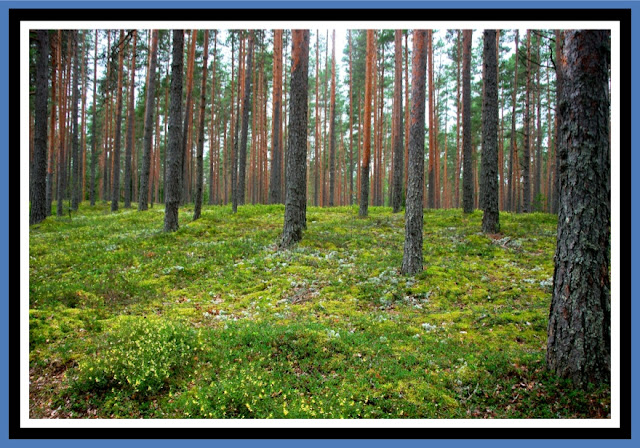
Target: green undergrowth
[(212, 321)]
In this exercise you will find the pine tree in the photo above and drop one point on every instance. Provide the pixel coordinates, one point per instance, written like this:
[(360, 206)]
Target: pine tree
[(275, 192), (294, 214), (173, 191), (579, 332), (200, 150), (364, 177), (412, 257), (39, 176), (115, 194), (128, 183), (148, 125), (467, 179), (397, 125)]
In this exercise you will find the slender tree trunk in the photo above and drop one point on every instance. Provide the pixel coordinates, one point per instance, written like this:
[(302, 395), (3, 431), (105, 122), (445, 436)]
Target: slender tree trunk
[(513, 157), (412, 257), (467, 180), (526, 154), (39, 176), (294, 214), (351, 167), (186, 130), (62, 162), (458, 115), (432, 129), (364, 177), (275, 193), (537, 198), (173, 183), (489, 177), (579, 332), (83, 145), (94, 138), (332, 125), (148, 124), (200, 150), (559, 125), (397, 125), (75, 171), (245, 121), (128, 184), (55, 49), (115, 193)]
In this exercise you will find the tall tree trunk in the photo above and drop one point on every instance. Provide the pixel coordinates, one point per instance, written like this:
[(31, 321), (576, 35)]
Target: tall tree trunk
[(213, 156), (245, 121), (83, 145), (275, 192), (526, 153), (513, 157), (364, 177), (294, 214), (467, 180), (489, 177), (332, 125), (39, 176), (351, 167), (412, 257), (55, 49), (579, 333), (148, 124), (186, 130), (173, 184), (62, 163), (559, 126), (115, 193), (75, 172), (432, 129), (458, 115), (200, 150), (537, 198), (128, 184), (94, 138), (397, 125)]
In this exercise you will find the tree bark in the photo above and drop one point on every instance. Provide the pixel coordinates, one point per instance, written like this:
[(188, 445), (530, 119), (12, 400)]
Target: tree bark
[(245, 122), (559, 85), (467, 175), (94, 139), (364, 177), (115, 192), (412, 257), (332, 125), (148, 125), (489, 177), (128, 183), (275, 192), (39, 176), (398, 147), (294, 214), (200, 150), (579, 332), (173, 184), (526, 153)]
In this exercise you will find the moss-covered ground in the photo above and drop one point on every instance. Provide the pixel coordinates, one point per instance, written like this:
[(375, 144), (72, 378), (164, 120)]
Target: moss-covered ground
[(213, 322)]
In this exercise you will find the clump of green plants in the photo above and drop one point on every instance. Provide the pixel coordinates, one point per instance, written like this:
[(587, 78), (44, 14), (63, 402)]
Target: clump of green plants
[(139, 355)]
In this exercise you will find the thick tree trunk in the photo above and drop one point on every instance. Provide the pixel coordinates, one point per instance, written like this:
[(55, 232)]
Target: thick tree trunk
[(364, 177), (173, 190), (467, 175), (200, 150), (489, 177), (412, 257), (398, 147), (128, 184), (148, 125), (294, 214), (579, 339), (39, 175)]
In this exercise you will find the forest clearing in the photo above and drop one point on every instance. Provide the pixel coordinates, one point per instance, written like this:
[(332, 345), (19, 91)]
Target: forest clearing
[(242, 232), (329, 329)]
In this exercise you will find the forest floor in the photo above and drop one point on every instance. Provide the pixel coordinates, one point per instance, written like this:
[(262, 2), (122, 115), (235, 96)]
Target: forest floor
[(126, 321)]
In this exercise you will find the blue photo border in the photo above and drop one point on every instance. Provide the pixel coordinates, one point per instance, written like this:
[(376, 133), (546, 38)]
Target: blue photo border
[(8, 249)]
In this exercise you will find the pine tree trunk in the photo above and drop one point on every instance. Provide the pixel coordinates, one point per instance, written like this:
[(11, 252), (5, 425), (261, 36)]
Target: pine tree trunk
[(526, 153), (467, 179), (579, 333), (275, 192), (513, 157), (115, 193), (537, 198), (75, 171), (332, 126), (489, 177), (186, 130), (294, 215), (559, 85), (432, 141), (94, 140), (148, 125), (128, 184), (200, 150), (39, 176), (412, 257), (364, 177), (458, 115), (398, 148), (62, 162), (173, 184), (55, 48), (245, 122)]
